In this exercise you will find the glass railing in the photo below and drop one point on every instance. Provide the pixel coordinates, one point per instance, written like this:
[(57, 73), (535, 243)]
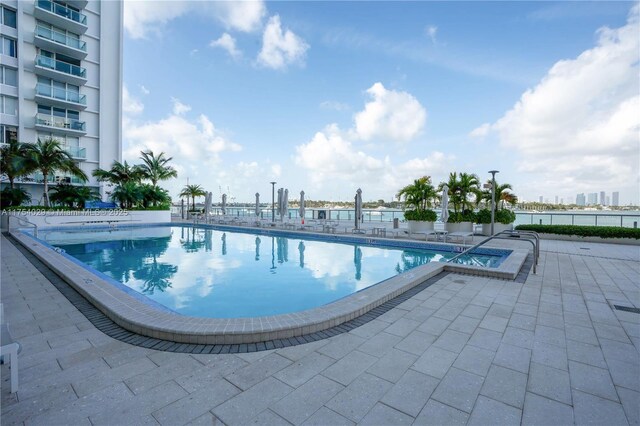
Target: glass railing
[(39, 178), (60, 122), (63, 11), (76, 151), (62, 94), (64, 67), (60, 37)]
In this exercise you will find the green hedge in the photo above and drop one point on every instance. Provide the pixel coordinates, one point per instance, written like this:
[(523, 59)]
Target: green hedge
[(583, 231), (422, 215)]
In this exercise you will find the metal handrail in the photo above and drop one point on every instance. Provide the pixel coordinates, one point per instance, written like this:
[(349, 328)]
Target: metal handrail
[(507, 235), (25, 222)]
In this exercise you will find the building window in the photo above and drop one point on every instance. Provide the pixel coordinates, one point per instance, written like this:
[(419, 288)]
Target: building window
[(8, 47), (8, 17), (8, 133), (9, 76), (8, 105)]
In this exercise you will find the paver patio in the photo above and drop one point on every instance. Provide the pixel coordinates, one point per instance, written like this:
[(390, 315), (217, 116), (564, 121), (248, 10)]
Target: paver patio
[(465, 350)]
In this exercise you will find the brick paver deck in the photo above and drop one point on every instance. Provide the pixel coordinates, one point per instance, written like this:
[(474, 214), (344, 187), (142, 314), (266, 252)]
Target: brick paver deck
[(464, 350)]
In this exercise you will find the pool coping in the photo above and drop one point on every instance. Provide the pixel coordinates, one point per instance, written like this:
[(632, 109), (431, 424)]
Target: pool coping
[(144, 319)]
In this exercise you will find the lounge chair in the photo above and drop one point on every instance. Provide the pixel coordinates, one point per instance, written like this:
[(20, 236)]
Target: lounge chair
[(11, 348), (461, 235)]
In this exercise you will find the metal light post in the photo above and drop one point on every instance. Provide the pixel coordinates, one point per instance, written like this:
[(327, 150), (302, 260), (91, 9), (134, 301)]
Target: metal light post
[(273, 201), (493, 197)]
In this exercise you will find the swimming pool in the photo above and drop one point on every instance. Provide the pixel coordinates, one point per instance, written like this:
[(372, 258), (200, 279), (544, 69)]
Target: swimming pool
[(217, 273)]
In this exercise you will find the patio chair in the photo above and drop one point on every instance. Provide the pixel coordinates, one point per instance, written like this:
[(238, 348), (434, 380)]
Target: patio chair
[(10, 348)]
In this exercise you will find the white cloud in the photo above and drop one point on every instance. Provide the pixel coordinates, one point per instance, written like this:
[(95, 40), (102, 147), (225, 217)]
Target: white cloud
[(144, 90), (391, 114), (431, 31), (329, 154), (579, 126), (195, 145), (130, 105), (179, 108), (481, 131), (334, 105), (280, 49), (227, 43), (144, 17), (332, 161), (240, 15)]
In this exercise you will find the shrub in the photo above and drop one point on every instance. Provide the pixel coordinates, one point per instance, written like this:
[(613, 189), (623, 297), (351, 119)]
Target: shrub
[(421, 215), (483, 216), (13, 197), (463, 216), (583, 231), (504, 216)]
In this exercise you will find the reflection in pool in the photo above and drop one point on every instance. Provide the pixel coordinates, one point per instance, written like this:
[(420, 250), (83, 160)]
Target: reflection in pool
[(213, 273)]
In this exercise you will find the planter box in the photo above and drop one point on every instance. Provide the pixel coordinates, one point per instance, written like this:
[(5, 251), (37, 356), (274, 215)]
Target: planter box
[(497, 227), (459, 227), (419, 226)]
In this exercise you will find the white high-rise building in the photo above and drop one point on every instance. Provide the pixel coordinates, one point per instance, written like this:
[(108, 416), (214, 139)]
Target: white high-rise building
[(603, 198), (615, 198), (61, 76), (592, 199), (580, 200)]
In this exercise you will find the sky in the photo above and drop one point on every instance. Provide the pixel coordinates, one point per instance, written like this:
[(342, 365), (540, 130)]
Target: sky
[(329, 97)]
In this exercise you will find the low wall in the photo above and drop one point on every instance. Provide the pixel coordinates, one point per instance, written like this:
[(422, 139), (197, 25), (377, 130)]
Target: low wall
[(44, 219), (626, 241)]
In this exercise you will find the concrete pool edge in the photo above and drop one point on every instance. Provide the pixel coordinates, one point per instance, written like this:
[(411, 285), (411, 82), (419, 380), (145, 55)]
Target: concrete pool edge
[(138, 317)]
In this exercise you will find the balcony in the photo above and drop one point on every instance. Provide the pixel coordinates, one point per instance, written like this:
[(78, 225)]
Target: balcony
[(39, 178), (76, 152), (50, 39), (60, 124), (53, 96), (60, 16), (61, 71)]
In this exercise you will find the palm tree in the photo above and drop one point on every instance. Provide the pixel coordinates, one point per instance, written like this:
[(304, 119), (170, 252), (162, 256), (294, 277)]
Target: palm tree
[(468, 184), (127, 194), (193, 191), (71, 195), (48, 157), (419, 194), (13, 162), (156, 168), (502, 195), (120, 173), (460, 187)]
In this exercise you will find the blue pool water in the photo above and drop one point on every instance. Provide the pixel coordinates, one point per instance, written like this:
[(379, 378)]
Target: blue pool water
[(220, 274)]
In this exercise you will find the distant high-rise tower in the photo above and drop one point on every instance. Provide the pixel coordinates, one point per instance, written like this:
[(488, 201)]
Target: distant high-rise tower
[(562, 201), (615, 198), (603, 198), (608, 200), (556, 200), (592, 199), (580, 201), (540, 199), (61, 78)]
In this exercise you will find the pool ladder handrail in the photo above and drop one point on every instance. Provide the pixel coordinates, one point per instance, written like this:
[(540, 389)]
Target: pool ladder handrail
[(24, 222), (529, 236)]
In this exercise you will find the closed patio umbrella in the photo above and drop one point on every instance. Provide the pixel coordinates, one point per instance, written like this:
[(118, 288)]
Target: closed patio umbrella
[(444, 204), (279, 204), (302, 206), (285, 204), (224, 204), (207, 206), (257, 205), (358, 207)]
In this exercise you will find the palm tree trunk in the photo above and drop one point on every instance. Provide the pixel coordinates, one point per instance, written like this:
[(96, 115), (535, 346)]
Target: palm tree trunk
[(46, 188), (11, 179)]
